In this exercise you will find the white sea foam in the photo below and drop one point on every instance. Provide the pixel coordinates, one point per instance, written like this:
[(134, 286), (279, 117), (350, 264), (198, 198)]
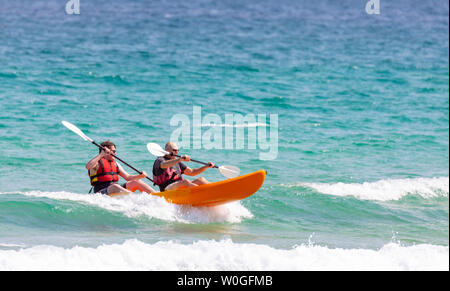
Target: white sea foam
[(389, 189), (224, 255), (153, 207)]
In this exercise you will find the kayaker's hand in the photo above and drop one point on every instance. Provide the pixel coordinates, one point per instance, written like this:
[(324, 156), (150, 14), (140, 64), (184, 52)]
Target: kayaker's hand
[(143, 175), (186, 158), (210, 165), (106, 151)]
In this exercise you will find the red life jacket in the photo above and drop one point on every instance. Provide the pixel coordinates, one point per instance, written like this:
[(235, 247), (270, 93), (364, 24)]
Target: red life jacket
[(107, 171), (169, 176)]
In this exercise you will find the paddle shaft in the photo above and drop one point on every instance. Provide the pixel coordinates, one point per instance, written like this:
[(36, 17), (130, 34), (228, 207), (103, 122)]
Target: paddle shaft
[(195, 161), (121, 160)]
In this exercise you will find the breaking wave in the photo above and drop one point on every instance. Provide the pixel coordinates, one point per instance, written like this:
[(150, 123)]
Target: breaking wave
[(384, 190), (223, 255), (151, 206)]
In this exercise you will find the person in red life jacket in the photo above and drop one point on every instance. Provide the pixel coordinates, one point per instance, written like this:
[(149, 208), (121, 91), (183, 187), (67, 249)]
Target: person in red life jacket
[(104, 173), (168, 170)]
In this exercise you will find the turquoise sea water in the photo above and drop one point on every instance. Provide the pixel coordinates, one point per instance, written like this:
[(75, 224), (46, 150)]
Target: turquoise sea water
[(361, 176)]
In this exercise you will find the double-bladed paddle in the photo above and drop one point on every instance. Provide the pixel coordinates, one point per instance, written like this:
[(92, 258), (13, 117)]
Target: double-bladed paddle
[(227, 171)]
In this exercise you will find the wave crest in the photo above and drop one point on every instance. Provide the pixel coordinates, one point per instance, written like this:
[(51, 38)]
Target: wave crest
[(389, 189), (151, 206), (223, 255)]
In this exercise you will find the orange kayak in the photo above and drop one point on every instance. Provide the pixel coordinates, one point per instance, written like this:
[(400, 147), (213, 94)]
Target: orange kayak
[(217, 193)]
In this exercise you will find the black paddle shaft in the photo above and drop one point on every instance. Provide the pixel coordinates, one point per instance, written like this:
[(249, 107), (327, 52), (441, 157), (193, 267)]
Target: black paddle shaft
[(121, 160)]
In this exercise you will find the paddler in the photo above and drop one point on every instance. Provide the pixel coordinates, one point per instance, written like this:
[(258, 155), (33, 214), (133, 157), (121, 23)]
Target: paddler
[(168, 170), (104, 173)]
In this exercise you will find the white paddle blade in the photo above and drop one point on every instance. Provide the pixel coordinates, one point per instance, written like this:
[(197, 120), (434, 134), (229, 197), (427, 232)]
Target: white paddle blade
[(229, 171), (156, 150), (76, 130)]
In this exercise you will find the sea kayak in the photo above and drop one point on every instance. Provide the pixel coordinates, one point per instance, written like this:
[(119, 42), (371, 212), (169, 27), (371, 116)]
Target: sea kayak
[(217, 193)]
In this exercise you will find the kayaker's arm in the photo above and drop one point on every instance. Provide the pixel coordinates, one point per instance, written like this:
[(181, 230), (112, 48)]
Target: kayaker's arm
[(169, 163), (94, 162), (194, 172), (128, 177)]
